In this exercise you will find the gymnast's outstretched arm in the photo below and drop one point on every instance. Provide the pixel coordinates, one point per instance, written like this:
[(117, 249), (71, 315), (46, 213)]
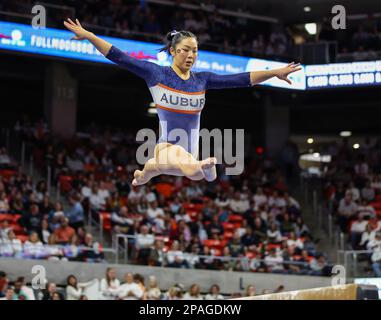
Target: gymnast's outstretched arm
[(247, 79), (149, 71)]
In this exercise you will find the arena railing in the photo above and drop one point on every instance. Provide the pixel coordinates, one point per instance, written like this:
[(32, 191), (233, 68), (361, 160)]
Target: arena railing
[(49, 251), (245, 261)]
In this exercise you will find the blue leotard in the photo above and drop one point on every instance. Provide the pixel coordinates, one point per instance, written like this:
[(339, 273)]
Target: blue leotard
[(179, 102)]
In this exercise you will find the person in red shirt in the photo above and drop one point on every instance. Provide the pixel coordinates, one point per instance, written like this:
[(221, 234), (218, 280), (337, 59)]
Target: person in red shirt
[(64, 234)]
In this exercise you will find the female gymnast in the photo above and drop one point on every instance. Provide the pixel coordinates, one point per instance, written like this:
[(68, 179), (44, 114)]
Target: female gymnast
[(179, 95)]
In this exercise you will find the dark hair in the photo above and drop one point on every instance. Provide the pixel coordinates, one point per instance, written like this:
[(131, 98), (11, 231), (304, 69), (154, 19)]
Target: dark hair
[(72, 277), (173, 38)]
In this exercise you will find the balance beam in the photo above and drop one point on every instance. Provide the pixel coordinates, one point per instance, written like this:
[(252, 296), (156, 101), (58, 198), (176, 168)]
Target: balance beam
[(342, 292)]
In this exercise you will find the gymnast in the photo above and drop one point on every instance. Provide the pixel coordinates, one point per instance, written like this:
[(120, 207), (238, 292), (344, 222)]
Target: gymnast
[(179, 95)]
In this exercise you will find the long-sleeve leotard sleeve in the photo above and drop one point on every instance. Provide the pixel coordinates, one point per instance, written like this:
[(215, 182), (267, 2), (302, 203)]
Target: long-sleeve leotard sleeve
[(217, 81), (149, 71)]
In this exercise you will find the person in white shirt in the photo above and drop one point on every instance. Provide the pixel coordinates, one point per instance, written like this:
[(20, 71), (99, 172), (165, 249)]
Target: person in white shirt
[(367, 236), (136, 194), (358, 227), (273, 262), (97, 201), (109, 286), (347, 209), (33, 248), (194, 293), (86, 189), (103, 192), (175, 257), (214, 293), (75, 290), (375, 246), (259, 199), (11, 247), (156, 215), (130, 290), (153, 290), (144, 243), (366, 210), (239, 205), (273, 234)]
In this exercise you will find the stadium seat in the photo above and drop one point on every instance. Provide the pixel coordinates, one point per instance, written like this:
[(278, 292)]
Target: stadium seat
[(105, 218)]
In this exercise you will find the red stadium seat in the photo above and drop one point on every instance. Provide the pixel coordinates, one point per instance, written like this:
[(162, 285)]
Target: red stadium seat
[(228, 235), (6, 216), (235, 218), (105, 217), (228, 226)]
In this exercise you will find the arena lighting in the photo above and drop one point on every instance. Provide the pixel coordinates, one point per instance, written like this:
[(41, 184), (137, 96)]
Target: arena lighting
[(316, 155), (152, 111), (310, 140), (356, 146), (345, 133), (311, 28), (307, 9)]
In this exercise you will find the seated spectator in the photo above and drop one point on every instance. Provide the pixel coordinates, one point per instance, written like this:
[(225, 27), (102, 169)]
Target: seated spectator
[(139, 280), (273, 234), (214, 293), (45, 232), (260, 229), (76, 213), (156, 256), (357, 228), (250, 291), (368, 193), (259, 198), (32, 219), (109, 286), (54, 216), (33, 247), (235, 246), (4, 229), (237, 204), (97, 200), (64, 234), (375, 246), (92, 251), (319, 266), (366, 210), (153, 290), (194, 293), (4, 204), (75, 290), (50, 292), (11, 247), (347, 209), (144, 242), (368, 235), (18, 293), (215, 227), (156, 215), (354, 191), (130, 290), (175, 257), (9, 294), (249, 238), (301, 229), (273, 262), (122, 221)]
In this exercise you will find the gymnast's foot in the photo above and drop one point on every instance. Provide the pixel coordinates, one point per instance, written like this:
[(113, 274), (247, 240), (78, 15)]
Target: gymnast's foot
[(139, 178), (208, 167)]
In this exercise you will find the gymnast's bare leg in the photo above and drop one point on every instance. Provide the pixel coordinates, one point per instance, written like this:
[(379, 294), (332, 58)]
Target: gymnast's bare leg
[(174, 160)]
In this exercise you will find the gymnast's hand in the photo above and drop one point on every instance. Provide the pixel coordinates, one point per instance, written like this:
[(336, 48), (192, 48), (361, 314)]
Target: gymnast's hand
[(77, 29), (283, 73)]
